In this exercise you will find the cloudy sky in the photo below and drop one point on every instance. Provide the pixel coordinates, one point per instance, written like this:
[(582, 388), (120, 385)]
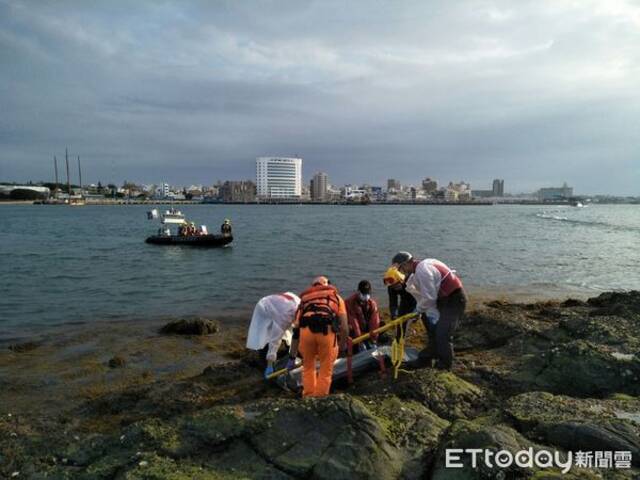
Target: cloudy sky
[(533, 92)]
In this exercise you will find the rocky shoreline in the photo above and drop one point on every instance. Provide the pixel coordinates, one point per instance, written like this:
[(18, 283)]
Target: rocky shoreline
[(554, 376)]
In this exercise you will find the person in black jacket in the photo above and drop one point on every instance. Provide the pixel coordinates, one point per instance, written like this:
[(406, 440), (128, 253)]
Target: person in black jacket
[(401, 302)]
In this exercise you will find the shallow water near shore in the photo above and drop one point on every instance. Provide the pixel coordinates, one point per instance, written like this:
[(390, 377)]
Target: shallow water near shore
[(90, 264)]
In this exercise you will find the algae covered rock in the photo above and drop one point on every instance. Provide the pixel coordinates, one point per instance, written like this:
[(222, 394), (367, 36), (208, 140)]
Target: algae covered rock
[(625, 304), (446, 394), (466, 434), (574, 424), (333, 438), (410, 426), (486, 330), (336, 437), (582, 369), (195, 326)]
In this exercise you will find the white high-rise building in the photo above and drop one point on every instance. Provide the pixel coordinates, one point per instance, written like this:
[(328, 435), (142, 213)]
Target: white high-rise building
[(279, 177)]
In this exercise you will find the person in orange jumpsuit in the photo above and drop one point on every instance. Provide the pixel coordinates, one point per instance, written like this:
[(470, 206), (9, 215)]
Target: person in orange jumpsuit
[(320, 327)]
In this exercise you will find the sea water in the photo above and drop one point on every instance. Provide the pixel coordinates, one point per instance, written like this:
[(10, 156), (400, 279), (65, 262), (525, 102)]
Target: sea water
[(79, 265)]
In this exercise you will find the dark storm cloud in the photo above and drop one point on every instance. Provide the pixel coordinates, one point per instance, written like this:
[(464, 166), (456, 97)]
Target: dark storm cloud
[(535, 92)]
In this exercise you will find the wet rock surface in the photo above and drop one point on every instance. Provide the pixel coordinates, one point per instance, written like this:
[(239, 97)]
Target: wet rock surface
[(552, 376), (193, 326)]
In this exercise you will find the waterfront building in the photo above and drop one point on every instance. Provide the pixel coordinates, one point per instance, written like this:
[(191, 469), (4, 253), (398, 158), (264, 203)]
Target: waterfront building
[(555, 193), (353, 193), (497, 190), (483, 194), (238, 191), (279, 177), (377, 194), (394, 185), (450, 195), (319, 187), (163, 190), (429, 185)]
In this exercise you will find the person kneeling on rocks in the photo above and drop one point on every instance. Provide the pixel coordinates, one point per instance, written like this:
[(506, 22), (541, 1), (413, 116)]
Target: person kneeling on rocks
[(362, 312), (441, 301), (320, 325), (271, 323)]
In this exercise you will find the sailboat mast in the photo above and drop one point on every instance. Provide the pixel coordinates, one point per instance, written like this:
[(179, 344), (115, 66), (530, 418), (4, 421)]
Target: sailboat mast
[(66, 159), (55, 169), (80, 174)]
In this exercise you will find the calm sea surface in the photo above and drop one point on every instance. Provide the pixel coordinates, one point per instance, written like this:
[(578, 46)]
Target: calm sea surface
[(66, 265)]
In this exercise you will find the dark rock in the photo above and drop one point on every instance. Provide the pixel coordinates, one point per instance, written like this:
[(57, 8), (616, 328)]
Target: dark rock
[(117, 362), (574, 424), (197, 326), (447, 395), (572, 302), (612, 435), (339, 437), (24, 347), (484, 331), (580, 369), (483, 435), (617, 303)]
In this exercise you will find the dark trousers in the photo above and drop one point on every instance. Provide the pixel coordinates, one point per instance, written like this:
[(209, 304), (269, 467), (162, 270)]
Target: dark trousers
[(440, 335)]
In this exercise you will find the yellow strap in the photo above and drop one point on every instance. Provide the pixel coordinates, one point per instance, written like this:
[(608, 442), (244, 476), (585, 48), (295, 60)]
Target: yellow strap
[(397, 352)]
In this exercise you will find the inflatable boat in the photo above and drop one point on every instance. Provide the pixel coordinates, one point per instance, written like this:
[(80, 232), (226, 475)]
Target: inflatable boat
[(208, 240)]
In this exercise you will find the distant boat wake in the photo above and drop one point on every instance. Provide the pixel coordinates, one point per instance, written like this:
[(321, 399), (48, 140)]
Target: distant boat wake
[(591, 223)]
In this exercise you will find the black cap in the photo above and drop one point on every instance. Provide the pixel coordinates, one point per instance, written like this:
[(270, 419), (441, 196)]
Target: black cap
[(364, 287), (401, 257)]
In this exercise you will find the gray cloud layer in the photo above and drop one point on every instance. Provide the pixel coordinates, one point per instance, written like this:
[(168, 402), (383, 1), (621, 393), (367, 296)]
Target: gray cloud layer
[(535, 92)]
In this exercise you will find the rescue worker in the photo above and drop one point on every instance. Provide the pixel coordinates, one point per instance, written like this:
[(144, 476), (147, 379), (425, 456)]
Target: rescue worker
[(271, 323), (321, 326), (362, 313), (401, 302), (225, 228), (441, 301)]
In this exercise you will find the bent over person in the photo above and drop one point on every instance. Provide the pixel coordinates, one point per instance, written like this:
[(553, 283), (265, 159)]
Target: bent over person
[(271, 323), (320, 327), (441, 301)]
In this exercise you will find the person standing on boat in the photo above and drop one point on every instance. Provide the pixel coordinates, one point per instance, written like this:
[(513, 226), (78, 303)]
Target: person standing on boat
[(225, 228), (271, 323), (441, 301)]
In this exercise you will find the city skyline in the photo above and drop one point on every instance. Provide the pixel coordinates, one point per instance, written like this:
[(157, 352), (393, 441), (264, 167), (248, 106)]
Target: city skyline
[(539, 93)]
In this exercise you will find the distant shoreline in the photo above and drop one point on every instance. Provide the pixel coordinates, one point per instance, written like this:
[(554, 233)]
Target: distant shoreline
[(350, 204)]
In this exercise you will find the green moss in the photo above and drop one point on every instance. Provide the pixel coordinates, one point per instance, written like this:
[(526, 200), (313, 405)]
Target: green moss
[(159, 468), (402, 420), (621, 397)]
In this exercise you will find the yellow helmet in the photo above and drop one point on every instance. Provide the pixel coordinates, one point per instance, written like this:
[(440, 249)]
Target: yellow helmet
[(393, 276)]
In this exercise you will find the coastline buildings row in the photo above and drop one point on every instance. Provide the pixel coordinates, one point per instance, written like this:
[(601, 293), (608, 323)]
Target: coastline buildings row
[(279, 179)]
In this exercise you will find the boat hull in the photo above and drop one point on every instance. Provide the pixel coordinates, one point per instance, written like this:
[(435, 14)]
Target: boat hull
[(191, 241)]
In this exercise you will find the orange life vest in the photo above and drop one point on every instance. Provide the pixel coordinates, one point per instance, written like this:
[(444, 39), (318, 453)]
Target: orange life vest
[(319, 308)]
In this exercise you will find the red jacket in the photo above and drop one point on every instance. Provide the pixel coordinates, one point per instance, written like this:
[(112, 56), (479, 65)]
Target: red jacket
[(363, 317)]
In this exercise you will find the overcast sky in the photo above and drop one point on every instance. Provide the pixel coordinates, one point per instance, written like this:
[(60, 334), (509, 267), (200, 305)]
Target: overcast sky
[(536, 92)]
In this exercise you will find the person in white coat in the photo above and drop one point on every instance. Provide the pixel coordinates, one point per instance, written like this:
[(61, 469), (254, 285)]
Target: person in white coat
[(440, 299), (271, 324)]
